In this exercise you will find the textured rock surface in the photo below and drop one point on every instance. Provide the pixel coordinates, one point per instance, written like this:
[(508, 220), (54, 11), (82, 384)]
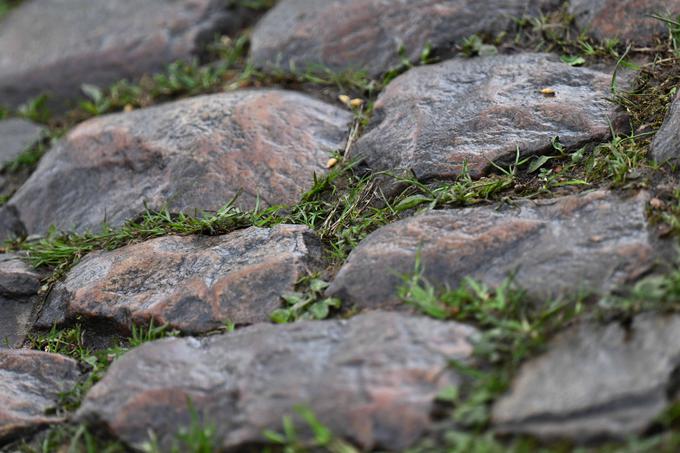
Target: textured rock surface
[(17, 135), (30, 384), (367, 34), (19, 285), (666, 146), (10, 225), (371, 379), (628, 20), (592, 242), (189, 155), (596, 381), (434, 118), (56, 45), (192, 283)]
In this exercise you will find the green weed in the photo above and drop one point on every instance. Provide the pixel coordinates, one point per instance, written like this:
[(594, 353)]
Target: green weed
[(513, 329), (6, 6), (71, 342), (322, 439), (308, 304)]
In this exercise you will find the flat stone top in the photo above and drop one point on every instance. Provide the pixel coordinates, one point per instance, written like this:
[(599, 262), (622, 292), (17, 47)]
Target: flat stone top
[(434, 119), (60, 29), (374, 35), (191, 155)]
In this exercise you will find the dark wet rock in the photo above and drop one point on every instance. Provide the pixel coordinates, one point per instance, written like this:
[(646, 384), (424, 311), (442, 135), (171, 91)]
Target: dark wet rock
[(367, 34), (19, 286), (666, 145), (191, 155), (371, 379), (30, 385), (55, 46), (596, 381), (588, 243), (10, 225), (192, 283), (627, 20), (16, 136), (433, 119)]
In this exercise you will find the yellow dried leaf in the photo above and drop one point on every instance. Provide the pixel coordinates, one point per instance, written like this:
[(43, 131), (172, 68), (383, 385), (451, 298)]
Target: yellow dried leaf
[(356, 102), (332, 162), (548, 92), (345, 99), (128, 108)]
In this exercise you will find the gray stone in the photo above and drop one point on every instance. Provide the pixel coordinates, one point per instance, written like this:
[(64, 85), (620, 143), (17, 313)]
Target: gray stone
[(433, 119), (191, 155), (30, 384), (19, 286), (589, 243), (627, 20), (666, 145), (10, 225), (596, 382), (372, 379), (192, 283), (16, 136), (367, 34), (55, 46)]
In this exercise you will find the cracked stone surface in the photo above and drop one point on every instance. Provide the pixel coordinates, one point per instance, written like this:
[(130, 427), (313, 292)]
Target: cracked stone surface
[(55, 46), (194, 154), (19, 286), (30, 384), (371, 379), (596, 382), (592, 243), (367, 34), (433, 119), (192, 283), (627, 20), (666, 145)]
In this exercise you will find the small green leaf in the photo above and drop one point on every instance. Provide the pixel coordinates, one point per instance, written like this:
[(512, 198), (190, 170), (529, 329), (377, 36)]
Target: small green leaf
[(411, 202), (319, 310), (538, 163), (317, 285), (93, 92), (293, 298), (573, 60), (280, 316)]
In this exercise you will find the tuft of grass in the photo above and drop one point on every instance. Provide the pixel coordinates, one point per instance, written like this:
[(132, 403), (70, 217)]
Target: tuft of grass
[(322, 439), (198, 437), (62, 250), (36, 110), (308, 303), (513, 329), (71, 342)]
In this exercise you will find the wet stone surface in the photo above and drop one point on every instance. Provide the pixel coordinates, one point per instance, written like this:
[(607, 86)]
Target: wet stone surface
[(195, 283), (191, 155), (433, 119), (594, 242), (368, 34), (596, 382), (371, 379), (30, 384)]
